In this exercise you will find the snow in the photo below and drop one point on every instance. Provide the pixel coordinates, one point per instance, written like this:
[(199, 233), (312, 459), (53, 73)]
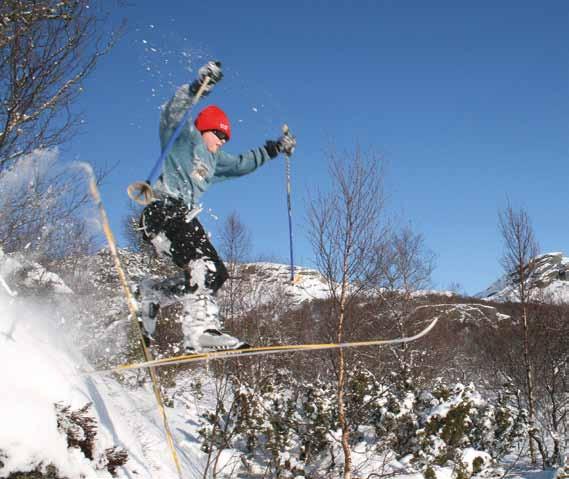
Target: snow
[(35, 274), (444, 472), (550, 281), (228, 462), (40, 369), (29, 432), (42, 366), (40, 275), (269, 281), (470, 454)]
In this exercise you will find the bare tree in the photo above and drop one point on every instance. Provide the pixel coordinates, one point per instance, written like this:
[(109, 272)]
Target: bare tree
[(235, 240), (344, 230), (42, 208), (503, 367), (406, 265), (518, 261), (551, 359), (235, 246), (46, 50)]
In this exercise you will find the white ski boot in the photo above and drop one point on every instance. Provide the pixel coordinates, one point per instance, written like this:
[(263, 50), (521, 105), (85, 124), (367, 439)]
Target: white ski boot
[(202, 327), (148, 315), (149, 301)]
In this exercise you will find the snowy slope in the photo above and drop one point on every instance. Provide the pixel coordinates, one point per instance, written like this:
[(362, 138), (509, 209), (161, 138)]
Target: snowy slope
[(551, 281), (40, 369), (266, 281), (43, 366)]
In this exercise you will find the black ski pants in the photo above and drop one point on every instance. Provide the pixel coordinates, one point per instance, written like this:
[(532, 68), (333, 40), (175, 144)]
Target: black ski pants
[(187, 240)]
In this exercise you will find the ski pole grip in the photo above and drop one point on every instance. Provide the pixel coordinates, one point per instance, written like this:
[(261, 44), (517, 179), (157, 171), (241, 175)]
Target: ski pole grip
[(202, 88), (141, 192), (286, 132)]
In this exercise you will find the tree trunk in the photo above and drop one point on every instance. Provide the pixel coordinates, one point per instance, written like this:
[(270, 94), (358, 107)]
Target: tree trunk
[(555, 423), (520, 251), (341, 404), (529, 379)]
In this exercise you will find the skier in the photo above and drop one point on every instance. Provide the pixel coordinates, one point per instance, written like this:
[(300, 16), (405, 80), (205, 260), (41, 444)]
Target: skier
[(170, 222)]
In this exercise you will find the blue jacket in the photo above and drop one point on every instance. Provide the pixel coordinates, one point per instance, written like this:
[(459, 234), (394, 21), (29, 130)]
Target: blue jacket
[(190, 169)]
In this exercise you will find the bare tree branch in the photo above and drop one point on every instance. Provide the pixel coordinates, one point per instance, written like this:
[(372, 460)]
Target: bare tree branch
[(46, 50)]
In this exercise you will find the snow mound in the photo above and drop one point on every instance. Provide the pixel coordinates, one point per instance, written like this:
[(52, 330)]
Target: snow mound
[(41, 370), (41, 373)]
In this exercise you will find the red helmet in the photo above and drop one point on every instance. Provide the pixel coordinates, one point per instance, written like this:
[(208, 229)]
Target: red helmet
[(213, 118)]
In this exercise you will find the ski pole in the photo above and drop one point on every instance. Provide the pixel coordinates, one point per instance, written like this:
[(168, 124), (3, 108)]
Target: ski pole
[(141, 191), (133, 310), (11, 293), (289, 205)]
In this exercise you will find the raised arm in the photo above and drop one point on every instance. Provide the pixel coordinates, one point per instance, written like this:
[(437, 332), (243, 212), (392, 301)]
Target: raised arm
[(174, 110)]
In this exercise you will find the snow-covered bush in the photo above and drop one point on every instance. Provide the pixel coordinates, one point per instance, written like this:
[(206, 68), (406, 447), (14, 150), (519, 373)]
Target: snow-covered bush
[(317, 406), (80, 429), (290, 427), (279, 425), (49, 472), (450, 426)]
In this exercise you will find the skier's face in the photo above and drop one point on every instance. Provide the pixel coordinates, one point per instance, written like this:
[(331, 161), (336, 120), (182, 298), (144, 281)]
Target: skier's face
[(212, 140)]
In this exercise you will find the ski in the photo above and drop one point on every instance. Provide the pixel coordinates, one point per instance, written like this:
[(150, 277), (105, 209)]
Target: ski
[(265, 350)]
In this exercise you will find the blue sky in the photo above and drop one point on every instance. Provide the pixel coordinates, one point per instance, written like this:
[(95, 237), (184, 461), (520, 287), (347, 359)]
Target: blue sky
[(467, 102)]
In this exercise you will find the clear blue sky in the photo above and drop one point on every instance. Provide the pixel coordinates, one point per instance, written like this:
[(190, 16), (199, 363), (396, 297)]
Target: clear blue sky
[(468, 102)]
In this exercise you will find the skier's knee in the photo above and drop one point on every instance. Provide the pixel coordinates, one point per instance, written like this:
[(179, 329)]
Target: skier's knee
[(215, 279)]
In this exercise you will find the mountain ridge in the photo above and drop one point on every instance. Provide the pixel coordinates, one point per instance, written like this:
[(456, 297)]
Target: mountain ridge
[(550, 281)]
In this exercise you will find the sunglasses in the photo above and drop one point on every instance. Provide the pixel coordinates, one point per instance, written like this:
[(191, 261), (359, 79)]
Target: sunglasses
[(220, 134)]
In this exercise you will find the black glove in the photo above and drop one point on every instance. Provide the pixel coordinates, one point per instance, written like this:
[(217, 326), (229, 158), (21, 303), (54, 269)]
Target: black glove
[(211, 70), (285, 144)]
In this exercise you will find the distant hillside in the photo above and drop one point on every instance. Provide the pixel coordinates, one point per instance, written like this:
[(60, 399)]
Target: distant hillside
[(550, 280)]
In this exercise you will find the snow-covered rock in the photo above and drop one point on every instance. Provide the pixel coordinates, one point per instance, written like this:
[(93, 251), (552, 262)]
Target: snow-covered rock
[(550, 280), (264, 281), (22, 273)]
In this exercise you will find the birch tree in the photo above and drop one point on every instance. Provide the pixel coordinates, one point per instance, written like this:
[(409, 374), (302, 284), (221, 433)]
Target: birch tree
[(406, 265), (344, 230), (235, 247), (518, 261), (47, 49)]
